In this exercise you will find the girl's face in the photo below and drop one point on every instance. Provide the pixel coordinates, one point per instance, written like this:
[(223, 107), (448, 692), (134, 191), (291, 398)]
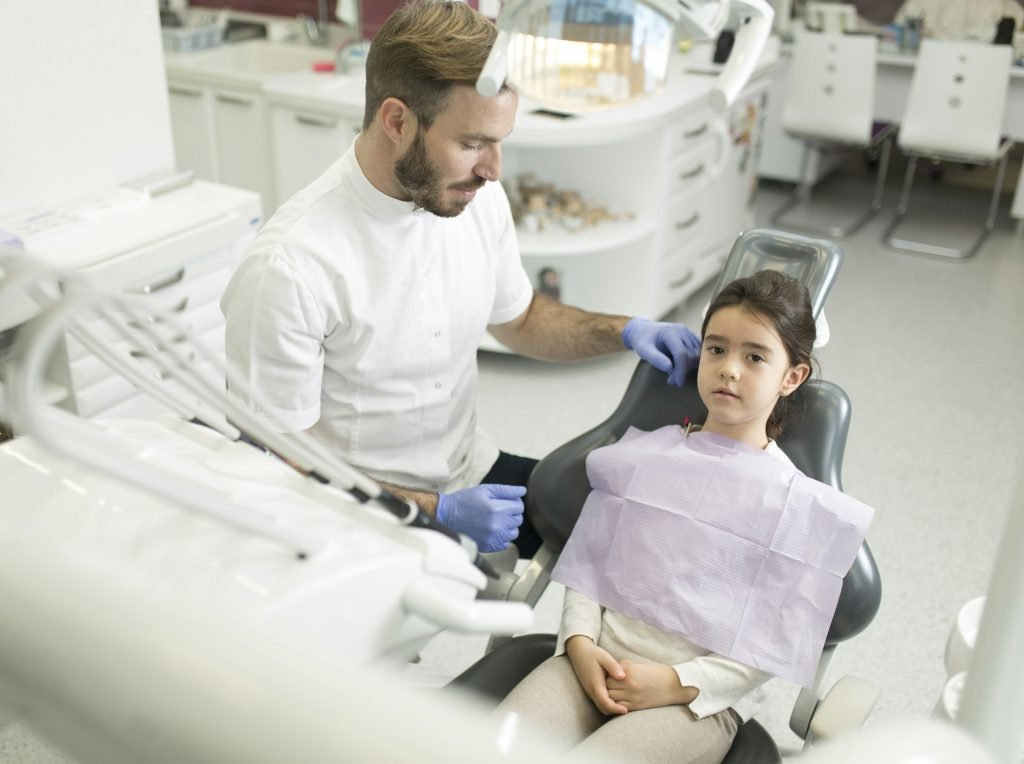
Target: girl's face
[(744, 368)]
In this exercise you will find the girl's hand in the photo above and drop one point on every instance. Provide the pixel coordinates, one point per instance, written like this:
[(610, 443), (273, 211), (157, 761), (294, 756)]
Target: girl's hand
[(593, 667), (648, 685)]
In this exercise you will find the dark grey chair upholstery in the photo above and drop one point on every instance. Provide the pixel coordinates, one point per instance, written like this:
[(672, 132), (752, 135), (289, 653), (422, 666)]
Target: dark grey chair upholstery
[(815, 441)]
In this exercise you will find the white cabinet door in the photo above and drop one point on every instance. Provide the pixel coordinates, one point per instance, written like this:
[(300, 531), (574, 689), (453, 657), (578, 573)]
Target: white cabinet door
[(243, 143), (191, 126), (304, 144)]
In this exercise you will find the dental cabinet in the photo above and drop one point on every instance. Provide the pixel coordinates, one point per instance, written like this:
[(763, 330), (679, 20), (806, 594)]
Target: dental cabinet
[(313, 121), (220, 117), (94, 191), (680, 177), (175, 249)]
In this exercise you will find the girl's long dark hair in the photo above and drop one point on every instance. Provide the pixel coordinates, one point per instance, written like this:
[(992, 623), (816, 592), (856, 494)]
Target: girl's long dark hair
[(785, 302)]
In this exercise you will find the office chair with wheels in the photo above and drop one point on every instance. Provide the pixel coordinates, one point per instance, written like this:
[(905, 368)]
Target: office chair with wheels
[(954, 113), (829, 105)]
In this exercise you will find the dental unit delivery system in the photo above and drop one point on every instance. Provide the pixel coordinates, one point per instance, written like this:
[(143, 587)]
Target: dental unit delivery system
[(157, 339), (157, 574)]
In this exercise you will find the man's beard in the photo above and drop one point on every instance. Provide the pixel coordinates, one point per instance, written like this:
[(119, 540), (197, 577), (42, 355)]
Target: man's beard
[(422, 181)]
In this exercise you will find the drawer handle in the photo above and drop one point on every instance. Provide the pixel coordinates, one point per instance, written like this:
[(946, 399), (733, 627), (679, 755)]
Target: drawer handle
[(682, 281), (156, 286), (305, 119), (234, 99), (689, 222), (692, 173), (696, 132), (176, 90)]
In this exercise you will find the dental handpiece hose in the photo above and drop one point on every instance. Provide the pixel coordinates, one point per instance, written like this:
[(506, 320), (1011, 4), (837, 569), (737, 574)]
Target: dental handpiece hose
[(407, 512), (412, 515)]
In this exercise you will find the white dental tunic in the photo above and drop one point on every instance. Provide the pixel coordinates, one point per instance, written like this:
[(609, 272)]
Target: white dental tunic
[(359, 316)]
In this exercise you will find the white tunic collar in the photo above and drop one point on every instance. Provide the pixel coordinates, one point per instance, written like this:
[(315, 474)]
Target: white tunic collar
[(368, 194)]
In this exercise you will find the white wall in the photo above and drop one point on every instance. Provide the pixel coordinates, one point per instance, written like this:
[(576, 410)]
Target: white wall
[(83, 99)]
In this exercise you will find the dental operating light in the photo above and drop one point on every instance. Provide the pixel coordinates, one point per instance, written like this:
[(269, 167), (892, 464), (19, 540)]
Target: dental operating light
[(584, 55)]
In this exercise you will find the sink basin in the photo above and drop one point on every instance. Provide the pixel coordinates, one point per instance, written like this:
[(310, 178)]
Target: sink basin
[(261, 58)]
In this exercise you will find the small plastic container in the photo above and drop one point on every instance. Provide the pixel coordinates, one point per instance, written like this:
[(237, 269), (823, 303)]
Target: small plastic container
[(350, 58), (192, 38)]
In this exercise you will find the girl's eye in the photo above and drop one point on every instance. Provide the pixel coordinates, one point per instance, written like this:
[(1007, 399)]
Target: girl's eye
[(756, 358), (715, 350)]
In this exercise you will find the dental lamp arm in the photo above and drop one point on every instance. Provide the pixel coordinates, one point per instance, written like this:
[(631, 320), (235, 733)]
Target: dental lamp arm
[(697, 20), (492, 76), (750, 41)]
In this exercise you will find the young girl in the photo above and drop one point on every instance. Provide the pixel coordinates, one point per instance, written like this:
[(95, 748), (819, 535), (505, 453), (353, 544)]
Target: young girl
[(619, 685)]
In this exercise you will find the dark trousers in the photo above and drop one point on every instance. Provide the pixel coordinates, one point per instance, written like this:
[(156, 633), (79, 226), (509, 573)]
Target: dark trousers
[(515, 470)]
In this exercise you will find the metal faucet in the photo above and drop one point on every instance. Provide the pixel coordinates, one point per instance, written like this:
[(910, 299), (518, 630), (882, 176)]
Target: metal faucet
[(316, 29)]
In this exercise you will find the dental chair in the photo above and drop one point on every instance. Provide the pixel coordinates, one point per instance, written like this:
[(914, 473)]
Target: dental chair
[(815, 441)]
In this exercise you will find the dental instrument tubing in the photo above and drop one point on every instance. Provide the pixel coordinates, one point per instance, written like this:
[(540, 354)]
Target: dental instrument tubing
[(315, 461)]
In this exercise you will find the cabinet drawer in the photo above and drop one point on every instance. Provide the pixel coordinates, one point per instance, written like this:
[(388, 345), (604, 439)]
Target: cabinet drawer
[(182, 292), (102, 395), (97, 387), (688, 174), (685, 226), (690, 132), (304, 144), (203, 324), (114, 400), (105, 332), (705, 136), (676, 279), (87, 369)]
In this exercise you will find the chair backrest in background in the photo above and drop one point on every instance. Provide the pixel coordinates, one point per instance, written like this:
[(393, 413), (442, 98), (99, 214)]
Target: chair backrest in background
[(830, 17), (830, 92), (815, 442), (957, 99)]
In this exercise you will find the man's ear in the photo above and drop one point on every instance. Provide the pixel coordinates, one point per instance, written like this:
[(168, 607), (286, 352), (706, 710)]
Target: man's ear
[(397, 120), (794, 378)]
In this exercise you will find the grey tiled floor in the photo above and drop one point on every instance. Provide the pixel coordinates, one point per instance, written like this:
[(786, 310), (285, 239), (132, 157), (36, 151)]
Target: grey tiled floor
[(930, 354)]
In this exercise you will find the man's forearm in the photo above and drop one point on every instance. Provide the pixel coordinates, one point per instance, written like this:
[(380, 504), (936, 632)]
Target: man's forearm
[(551, 331), (425, 500)]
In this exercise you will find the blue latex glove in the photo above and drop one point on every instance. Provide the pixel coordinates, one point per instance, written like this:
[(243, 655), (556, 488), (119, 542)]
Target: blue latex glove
[(667, 347), (490, 514)]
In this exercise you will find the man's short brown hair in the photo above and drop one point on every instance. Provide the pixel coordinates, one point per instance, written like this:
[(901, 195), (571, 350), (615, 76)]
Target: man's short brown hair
[(421, 51)]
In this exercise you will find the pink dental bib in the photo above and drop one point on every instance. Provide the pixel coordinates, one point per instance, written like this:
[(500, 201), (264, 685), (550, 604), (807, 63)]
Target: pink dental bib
[(722, 543)]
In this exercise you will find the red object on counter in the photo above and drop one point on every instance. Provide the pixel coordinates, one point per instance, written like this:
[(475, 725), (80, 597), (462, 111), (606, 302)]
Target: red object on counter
[(323, 66)]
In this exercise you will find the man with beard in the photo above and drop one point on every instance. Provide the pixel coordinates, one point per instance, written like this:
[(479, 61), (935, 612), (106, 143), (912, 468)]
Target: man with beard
[(357, 311)]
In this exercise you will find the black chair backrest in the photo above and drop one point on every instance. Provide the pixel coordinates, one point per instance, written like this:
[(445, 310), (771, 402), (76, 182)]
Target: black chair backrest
[(815, 441)]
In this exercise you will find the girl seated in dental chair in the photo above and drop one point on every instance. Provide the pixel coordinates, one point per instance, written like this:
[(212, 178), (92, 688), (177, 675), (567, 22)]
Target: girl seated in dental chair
[(703, 563)]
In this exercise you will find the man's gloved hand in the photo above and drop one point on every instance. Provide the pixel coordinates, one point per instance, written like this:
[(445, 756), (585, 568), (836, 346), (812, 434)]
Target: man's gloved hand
[(667, 347), (490, 514)]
